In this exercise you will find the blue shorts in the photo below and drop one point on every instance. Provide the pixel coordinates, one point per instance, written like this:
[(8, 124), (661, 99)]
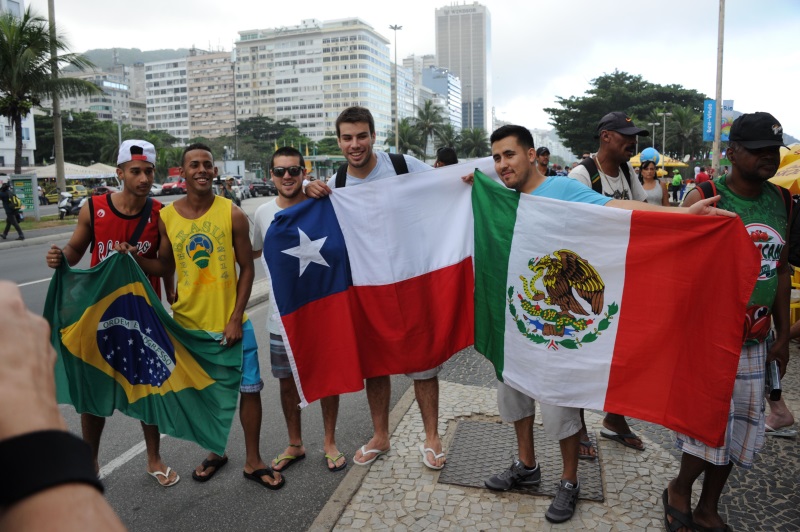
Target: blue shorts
[(251, 373)]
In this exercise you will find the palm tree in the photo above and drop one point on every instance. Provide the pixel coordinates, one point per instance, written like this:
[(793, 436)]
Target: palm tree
[(409, 136), (688, 129), (25, 70), (447, 136), (428, 121), (474, 143)]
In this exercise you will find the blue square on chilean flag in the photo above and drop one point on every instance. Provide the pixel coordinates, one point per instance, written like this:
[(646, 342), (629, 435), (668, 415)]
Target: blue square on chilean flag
[(294, 240)]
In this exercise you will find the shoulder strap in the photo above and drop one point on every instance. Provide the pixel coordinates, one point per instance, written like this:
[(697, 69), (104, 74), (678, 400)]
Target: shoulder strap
[(594, 175), (399, 163), (627, 172), (148, 208), (707, 189), (341, 176), (91, 223)]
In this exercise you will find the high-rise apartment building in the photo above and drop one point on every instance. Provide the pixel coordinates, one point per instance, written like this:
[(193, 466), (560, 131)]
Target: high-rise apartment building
[(166, 90), (310, 72), (448, 87), (212, 104), (463, 46), (15, 7)]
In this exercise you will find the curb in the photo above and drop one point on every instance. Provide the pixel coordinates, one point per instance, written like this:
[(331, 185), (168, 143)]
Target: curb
[(330, 513), (5, 244)]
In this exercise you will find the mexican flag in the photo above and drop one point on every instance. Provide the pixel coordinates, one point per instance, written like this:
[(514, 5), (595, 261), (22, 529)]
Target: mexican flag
[(119, 349), (635, 313)]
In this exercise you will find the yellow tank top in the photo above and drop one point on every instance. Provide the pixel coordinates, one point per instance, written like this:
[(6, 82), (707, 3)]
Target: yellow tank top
[(205, 264)]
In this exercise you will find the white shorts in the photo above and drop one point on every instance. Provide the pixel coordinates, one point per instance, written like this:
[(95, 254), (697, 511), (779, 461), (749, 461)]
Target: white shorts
[(559, 422)]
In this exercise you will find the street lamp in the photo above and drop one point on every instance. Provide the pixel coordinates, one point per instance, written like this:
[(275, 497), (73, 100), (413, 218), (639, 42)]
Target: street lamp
[(395, 27), (664, 138), (654, 124)]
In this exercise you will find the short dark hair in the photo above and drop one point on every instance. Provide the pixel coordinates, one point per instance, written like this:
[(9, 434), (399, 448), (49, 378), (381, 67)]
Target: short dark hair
[(286, 151), (195, 146), (446, 155), (702, 168), (524, 136), (353, 115)]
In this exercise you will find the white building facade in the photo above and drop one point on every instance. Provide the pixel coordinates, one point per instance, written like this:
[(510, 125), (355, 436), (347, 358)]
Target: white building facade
[(167, 98)]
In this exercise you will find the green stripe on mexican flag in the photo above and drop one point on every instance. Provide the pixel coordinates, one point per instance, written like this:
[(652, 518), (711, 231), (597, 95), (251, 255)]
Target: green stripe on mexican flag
[(602, 308)]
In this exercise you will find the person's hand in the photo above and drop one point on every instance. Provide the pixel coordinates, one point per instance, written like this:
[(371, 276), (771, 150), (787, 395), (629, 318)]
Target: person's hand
[(54, 257), (317, 189), (704, 207), (125, 248), (468, 179), (779, 350), (27, 384), (233, 332), (172, 296)]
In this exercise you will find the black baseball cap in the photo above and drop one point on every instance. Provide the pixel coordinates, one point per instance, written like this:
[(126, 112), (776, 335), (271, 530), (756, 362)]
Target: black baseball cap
[(621, 123), (757, 130), (541, 150)]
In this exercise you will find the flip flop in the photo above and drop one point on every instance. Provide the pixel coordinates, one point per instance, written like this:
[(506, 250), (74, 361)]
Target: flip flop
[(425, 450), (620, 438), (291, 460), (168, 484), (701, 528), (364, 452), (335, 459), (256, 475), (783, 432), (679, 519), (585, 456), (217, 464)]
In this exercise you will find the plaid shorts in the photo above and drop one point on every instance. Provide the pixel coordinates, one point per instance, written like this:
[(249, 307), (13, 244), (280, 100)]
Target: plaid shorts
[(744, 436)]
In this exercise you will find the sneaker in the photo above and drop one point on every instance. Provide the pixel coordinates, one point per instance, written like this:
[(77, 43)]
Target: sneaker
[(563, 506), (20, 237), (516, 475), (2, 236)]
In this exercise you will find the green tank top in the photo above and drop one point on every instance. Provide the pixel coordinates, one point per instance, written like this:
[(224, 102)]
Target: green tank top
[(765, 219)]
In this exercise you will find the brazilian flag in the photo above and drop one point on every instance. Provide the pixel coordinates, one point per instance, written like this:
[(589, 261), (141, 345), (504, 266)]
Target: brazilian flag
[(119, 349)]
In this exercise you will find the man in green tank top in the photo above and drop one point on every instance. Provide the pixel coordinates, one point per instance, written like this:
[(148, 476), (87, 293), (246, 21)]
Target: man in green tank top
[(755, 140)]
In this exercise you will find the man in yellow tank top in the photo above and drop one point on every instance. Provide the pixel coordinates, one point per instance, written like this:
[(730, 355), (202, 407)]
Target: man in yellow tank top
[(204, 237)]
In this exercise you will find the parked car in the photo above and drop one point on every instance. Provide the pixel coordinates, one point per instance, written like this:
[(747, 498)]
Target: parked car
[(156, 189), (264, 188), (174, 185), (103, 190)]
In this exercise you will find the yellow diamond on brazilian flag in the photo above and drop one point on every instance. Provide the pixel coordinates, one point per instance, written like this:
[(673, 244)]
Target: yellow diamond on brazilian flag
[(119, 349)]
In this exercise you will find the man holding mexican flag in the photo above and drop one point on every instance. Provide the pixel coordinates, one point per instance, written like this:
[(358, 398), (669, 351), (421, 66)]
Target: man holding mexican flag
[(538, 339)]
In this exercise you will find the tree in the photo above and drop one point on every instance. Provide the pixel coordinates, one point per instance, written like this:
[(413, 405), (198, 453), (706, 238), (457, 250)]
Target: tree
[(328, 146), (25, 70), (410, 138), (447, 136), (428, 121), (688, 130), (576, 120), (263, 129), (474, 143)]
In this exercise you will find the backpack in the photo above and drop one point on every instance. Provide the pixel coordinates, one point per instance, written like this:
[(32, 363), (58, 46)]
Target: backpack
[(15, 202), (398, 162), (708, 189), (594, 175)]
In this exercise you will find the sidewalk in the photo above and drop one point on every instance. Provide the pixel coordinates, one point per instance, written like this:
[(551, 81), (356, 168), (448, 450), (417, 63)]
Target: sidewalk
[(398, 493)]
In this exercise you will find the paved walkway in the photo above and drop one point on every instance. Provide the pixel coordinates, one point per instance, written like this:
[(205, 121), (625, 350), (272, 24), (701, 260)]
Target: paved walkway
[(398, 493)]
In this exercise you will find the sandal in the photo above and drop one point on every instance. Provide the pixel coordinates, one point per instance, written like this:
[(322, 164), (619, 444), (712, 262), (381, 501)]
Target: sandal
[(256, 475), (587, 455), (217, 464), (290, 459)]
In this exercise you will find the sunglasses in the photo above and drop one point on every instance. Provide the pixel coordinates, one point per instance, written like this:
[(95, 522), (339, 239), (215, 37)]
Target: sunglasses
[(294, 171)]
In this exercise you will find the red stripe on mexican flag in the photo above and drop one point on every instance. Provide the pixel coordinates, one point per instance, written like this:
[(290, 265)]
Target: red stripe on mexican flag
[(635, 313)]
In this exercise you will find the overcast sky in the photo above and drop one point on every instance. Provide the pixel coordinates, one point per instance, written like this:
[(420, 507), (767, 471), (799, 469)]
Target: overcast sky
[(540, 49)]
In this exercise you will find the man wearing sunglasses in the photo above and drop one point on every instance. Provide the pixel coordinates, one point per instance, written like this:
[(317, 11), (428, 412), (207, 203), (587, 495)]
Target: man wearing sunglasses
[(288, 171), (355, 132)]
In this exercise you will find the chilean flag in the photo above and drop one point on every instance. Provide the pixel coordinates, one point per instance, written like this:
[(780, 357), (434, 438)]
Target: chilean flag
[(376, 279)]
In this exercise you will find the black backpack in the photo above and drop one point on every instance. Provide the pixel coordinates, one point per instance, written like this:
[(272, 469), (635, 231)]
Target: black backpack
[(398, 162), (594, 175)]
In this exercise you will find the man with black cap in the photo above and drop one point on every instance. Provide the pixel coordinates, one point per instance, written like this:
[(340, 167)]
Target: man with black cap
[(609, 171), (11, 213), (543, 160), (610, 174), (128, 216), (755, 140)]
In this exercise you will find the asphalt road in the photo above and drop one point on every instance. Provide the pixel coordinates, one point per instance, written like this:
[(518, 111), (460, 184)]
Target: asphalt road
[(228, 501)]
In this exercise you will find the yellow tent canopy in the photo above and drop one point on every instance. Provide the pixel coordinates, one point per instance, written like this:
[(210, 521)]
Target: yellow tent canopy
[(665, 159)]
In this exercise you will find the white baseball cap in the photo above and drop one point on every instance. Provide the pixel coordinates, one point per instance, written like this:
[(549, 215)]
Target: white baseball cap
[(136, 150)]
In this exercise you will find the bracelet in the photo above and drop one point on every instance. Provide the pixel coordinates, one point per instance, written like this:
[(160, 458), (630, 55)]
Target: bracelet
[(37, 461)]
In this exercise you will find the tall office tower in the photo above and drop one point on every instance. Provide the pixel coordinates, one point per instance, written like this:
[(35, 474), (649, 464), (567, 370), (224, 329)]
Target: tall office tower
[(212, 105), (463, 46), (167, 98), (15, 7), (310, 72)]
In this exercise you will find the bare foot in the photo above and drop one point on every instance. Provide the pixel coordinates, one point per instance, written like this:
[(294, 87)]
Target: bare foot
[(680, 503), (281, 462), (164, 480), (333, 451), (618, 424), (436, 445), (274, 480), (375, 444)]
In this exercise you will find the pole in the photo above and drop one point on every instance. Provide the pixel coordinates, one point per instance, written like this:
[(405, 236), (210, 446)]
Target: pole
[(396, 93), (58, 137), (664, 138), (718, 119), (119, 130)]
